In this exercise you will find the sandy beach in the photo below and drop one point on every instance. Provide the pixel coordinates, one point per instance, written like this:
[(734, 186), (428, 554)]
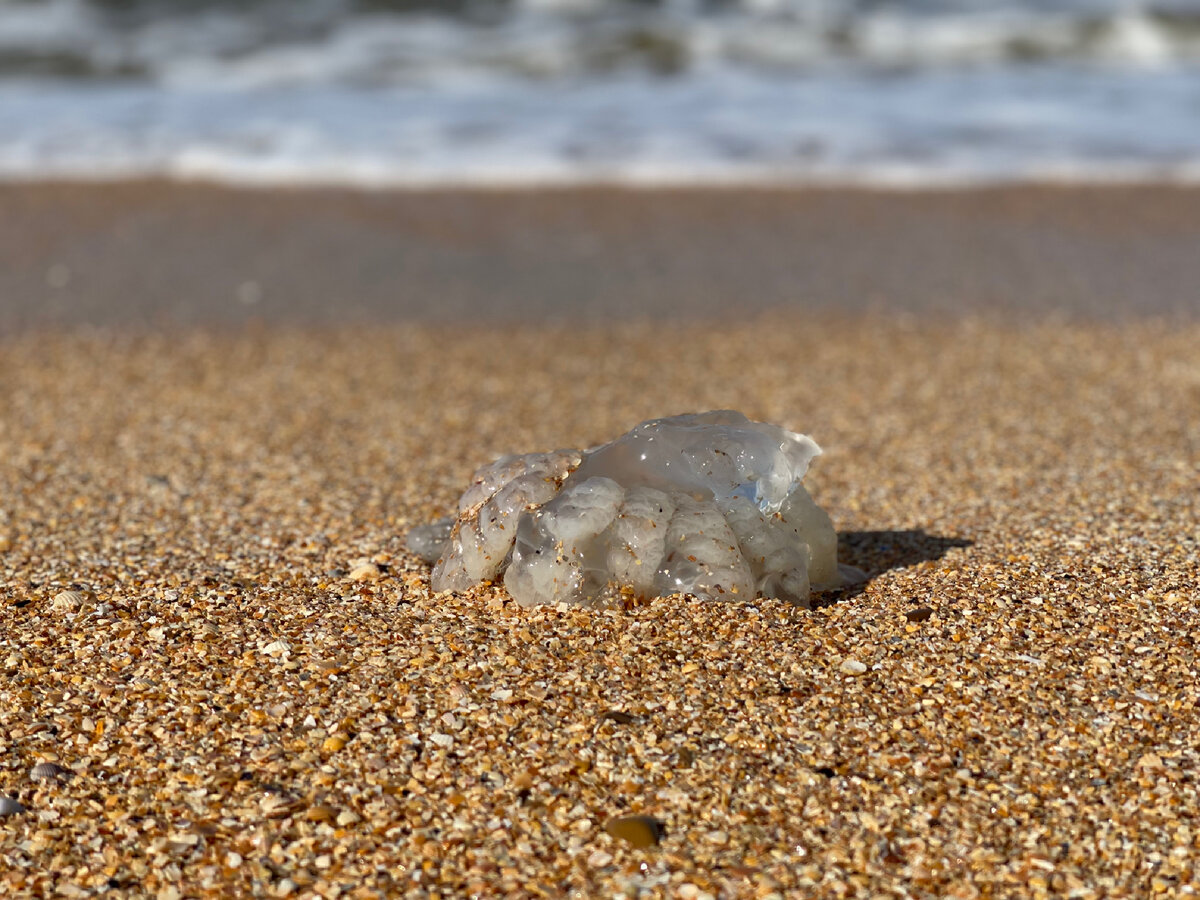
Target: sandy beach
[(222, 411)]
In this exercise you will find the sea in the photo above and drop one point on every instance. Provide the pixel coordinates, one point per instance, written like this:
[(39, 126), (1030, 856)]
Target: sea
[(497, 93)]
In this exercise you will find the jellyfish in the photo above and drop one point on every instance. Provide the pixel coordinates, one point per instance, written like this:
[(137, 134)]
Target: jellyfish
[(708, 504)]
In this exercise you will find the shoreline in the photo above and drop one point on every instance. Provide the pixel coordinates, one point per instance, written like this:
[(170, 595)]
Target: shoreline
[(146, 255)]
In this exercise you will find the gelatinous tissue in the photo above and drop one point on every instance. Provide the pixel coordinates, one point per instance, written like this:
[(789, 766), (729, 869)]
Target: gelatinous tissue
[(709, 504)]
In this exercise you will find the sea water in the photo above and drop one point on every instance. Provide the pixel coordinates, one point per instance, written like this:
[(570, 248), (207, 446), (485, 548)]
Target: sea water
[(529, 92)]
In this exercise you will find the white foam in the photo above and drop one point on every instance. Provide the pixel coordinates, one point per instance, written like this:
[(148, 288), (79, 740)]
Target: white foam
[(551, 92)]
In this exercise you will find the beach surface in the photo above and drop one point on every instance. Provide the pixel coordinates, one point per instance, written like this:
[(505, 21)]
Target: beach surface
[(153, 254), (212, 627)]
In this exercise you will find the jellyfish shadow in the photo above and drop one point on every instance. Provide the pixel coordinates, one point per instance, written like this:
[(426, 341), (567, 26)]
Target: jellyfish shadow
[(876, 552)]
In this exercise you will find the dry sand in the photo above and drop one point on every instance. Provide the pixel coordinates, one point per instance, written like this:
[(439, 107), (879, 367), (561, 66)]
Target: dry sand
[(245, 708)]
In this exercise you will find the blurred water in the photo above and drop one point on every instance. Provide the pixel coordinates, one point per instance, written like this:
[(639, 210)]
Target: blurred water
[(552, 91)]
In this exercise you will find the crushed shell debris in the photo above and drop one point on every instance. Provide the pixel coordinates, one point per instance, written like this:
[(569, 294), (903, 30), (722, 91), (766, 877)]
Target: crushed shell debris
[(244, 715)]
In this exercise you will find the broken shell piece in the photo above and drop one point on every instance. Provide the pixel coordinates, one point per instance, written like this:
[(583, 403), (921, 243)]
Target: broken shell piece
[(277, 648), (710, 504), (366, 571), (70, 601), (637, 831), (10, 807), (321, 813), (47, 770)]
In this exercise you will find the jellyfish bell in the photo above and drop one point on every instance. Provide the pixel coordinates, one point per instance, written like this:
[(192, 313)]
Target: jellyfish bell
[(709, 504)]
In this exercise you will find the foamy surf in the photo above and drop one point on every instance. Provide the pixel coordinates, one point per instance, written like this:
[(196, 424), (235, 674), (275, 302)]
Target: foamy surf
[(560, 92)]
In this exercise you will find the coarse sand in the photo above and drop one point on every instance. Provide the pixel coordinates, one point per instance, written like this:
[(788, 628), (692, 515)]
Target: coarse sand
[(210, 622)]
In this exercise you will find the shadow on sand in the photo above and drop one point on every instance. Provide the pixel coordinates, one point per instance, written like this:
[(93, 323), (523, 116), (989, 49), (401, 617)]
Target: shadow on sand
[(876, 552)]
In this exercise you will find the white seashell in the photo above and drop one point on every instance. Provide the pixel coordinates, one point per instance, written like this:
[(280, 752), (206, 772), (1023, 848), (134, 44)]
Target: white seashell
[(852, 666), (70, 601), (278, 648), (10, 807)]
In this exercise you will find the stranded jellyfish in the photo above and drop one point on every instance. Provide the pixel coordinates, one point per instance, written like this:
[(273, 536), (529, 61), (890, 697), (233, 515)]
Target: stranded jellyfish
[(710, 504)]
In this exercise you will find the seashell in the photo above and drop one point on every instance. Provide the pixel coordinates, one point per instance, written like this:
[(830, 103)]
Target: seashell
[(10, 807), (277, 648), (275, 807), (70, 601), (618, 716), (321, 813), (47, 770)]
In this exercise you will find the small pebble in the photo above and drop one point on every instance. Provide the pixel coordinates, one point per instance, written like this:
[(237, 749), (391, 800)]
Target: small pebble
[(598, 859), (1151, 762), (366, 572), (10, 807), (920, 614), (851, 666), (637, 831)]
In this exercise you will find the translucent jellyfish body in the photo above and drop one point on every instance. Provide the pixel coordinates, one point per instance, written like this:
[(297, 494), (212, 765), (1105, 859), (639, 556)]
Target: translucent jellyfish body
[(710, 504)]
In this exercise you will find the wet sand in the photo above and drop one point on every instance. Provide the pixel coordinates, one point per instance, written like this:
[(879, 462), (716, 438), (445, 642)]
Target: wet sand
[(211, 625), (152, 254)]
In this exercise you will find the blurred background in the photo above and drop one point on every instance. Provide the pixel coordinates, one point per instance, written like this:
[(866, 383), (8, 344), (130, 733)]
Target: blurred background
[(532, 92)]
